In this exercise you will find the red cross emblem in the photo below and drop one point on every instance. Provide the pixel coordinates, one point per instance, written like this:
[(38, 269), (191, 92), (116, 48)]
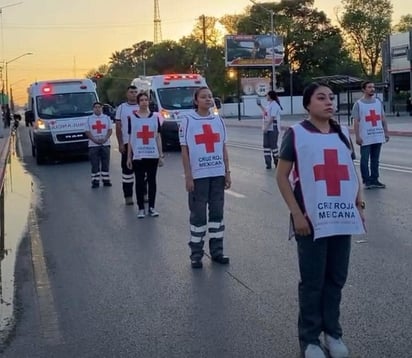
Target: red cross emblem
[(145, 134), (331, 172), (99, 126), (208, 138), (373, 117)]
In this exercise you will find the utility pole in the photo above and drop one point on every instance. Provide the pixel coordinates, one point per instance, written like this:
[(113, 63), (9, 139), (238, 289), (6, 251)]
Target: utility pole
[(205, 61), (272, 34)]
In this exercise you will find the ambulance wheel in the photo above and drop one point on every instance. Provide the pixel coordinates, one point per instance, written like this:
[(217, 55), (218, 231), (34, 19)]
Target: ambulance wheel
[(40, 157)]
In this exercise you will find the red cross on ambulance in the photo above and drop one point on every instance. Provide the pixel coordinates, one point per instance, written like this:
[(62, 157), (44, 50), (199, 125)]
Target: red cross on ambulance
[(208, 138), (331, 172), (145, 134), (98, 126)]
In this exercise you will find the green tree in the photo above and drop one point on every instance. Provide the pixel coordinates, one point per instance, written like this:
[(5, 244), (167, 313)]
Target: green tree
[(230, 23), (366, 24), (205, 31), (404, 24), (313, 46)]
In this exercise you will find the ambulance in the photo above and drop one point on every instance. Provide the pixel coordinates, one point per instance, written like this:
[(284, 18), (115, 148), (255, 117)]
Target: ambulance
[(58, 112), (172, 96)]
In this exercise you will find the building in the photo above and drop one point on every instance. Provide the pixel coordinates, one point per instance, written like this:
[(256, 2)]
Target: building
[(397, 67)]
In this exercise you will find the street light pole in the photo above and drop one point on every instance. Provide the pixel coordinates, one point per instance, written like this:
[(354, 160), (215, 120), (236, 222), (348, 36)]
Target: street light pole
[(291, 88), (272, 31), (273, 51), (7, 72)]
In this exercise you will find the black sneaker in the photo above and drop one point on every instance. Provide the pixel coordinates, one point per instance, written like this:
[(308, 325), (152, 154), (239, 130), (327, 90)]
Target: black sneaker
[(196, 264), (95, 184), (369, 186), (107, 183), (377, 184), (221, 259)]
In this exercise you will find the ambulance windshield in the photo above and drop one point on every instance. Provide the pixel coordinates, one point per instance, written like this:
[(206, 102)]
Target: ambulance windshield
[(176, 97), (65, 105)]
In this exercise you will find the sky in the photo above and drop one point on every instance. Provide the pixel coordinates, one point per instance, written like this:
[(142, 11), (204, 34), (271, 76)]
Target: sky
[(69, 38)]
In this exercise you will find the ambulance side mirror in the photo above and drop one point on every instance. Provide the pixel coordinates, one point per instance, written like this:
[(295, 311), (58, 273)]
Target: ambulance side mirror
[(153, 107), (29, 116)]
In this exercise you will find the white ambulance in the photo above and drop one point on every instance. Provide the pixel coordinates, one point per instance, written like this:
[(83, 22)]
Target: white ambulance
[(172, 96), (58, 112)]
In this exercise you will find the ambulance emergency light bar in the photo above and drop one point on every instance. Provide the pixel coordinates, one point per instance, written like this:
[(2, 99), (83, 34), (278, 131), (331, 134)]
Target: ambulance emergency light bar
[(47, 88), (168, 78)]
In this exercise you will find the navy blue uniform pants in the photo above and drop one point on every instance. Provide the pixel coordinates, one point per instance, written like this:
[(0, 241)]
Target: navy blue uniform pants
[(323, 266)]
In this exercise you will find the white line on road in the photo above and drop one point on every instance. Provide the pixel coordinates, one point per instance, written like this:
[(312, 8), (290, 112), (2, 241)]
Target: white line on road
[(235, 194), (383, 166), (49, 323)]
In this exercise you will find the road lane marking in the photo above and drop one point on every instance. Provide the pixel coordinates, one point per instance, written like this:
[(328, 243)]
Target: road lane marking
[(383, 166), (235, 194), (49, 324)]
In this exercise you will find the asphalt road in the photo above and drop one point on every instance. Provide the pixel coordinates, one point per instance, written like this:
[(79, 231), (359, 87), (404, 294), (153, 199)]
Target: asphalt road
[(94, 281)]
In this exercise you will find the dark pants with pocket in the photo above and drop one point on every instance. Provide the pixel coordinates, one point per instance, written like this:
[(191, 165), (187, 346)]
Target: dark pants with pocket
[(370, 152), (323, 266), (100, 162), (127, 176), (270, 147), (145, 169), (206, 204)]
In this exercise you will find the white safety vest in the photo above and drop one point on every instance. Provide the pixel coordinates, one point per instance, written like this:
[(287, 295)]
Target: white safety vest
[(370, 122), (143, 137), (98, 126), (123, 113), (328, 181), (204, 137)]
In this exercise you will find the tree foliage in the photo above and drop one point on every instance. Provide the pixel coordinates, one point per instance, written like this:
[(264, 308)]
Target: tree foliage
[(366, 24), (313, 47), (404, 24)]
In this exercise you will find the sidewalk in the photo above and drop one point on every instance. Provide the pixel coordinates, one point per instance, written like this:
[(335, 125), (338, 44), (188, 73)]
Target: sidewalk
[(398, 126)]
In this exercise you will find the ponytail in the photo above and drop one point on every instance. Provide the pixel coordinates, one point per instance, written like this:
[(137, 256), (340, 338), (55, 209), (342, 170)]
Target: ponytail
[(337, 128)]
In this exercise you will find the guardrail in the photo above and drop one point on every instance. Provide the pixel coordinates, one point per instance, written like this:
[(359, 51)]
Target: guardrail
[(5, 143)]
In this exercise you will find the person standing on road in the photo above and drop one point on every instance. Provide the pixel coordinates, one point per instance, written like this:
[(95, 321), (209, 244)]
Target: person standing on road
[(124, 113), (371, 130), (271, 128), (205, 159), (145, 153), (99, 130), (326, 208)]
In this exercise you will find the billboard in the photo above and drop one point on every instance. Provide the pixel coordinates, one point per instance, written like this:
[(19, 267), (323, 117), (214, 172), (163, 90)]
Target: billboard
[(253, 50)]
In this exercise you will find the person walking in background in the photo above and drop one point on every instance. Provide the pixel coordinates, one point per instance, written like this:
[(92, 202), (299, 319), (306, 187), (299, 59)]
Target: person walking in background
[(271, 128), (206, 167), (145, 153), (371, 130), (124, 113), (99, 130), (326, 208)]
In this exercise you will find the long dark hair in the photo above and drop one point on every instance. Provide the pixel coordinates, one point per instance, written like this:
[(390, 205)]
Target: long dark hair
[(274, 97), (307, 96)]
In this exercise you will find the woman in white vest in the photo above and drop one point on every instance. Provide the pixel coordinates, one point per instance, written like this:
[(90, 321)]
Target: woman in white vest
[(318, 181), (206, 166), (144, 153), (271, 128)]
